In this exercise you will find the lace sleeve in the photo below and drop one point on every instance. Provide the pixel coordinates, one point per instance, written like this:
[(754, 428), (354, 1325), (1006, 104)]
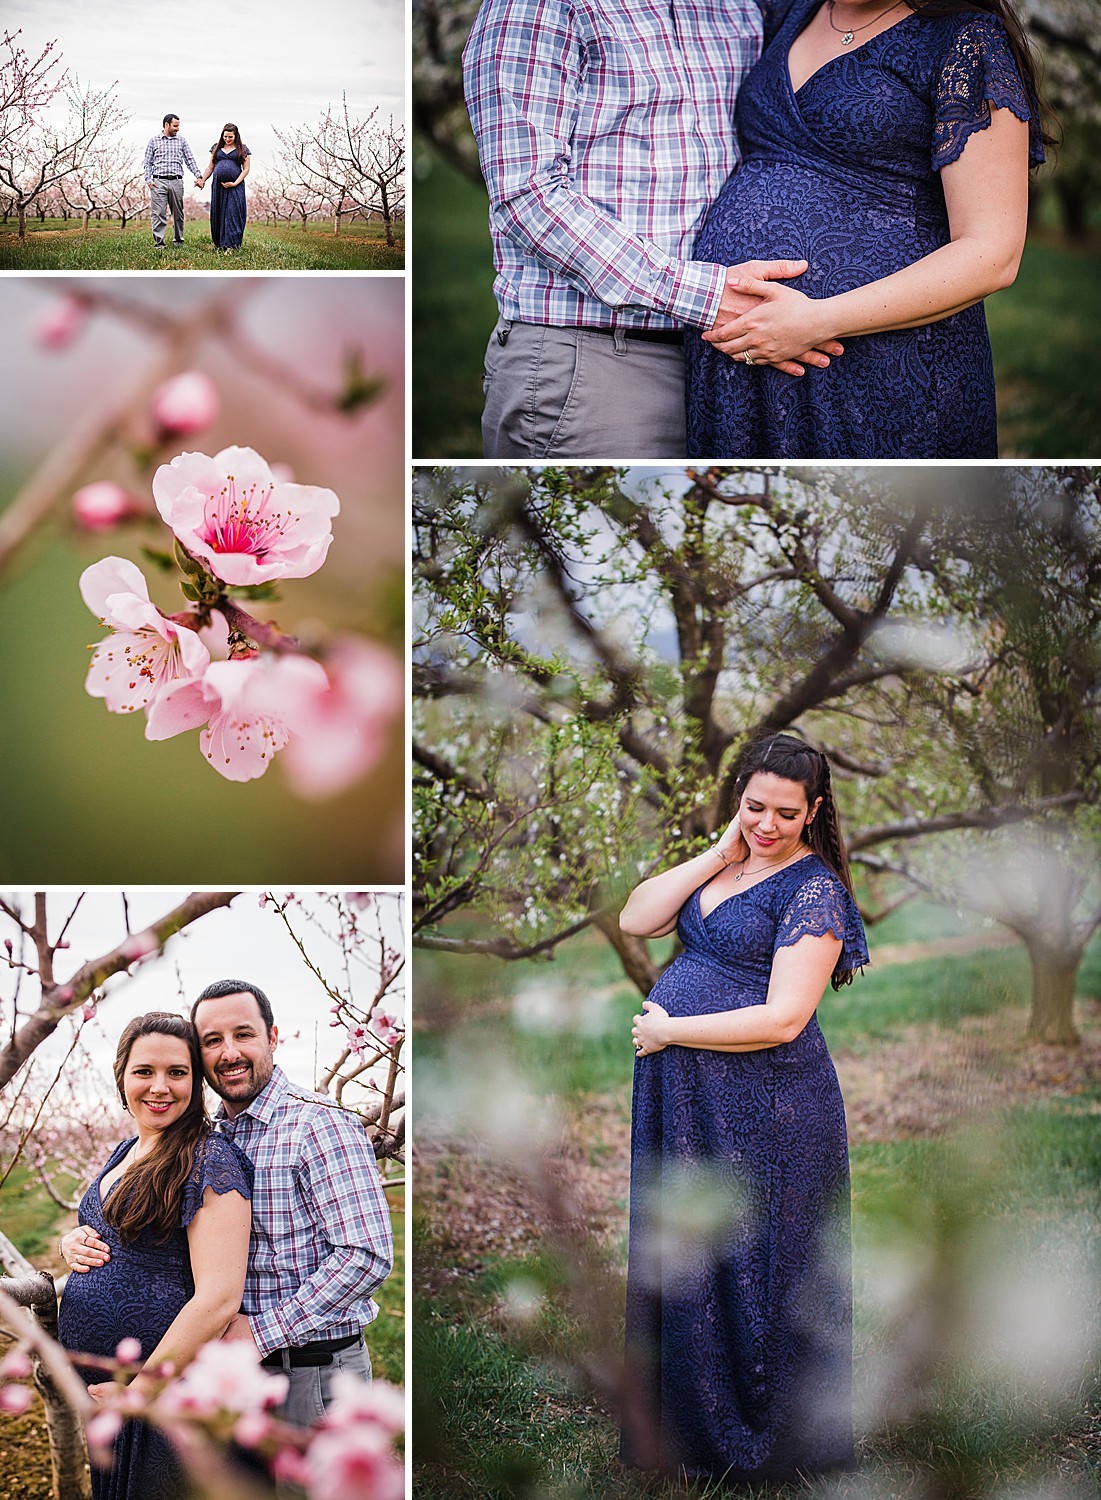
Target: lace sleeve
[(979, 73), (220, 1165), (821, 905)]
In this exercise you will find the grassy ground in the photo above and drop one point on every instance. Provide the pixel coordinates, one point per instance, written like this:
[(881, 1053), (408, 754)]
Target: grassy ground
[(55, 246), (503, 1336), (1044, 330)]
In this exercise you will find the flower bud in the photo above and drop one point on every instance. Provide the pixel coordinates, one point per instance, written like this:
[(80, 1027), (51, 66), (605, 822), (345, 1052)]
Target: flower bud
[(103, 506), (60, 323), (186, 403)]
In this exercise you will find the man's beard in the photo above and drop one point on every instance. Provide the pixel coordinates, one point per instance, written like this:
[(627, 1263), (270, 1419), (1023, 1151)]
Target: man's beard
[(244, 1089)]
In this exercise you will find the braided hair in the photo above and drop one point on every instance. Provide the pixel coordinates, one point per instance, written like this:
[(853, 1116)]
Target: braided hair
[(786, 756)]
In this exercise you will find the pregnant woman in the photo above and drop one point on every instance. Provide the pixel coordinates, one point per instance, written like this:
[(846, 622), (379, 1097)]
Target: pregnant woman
[(228, 166), (888, 145), (739, 1304), (172, 1203)]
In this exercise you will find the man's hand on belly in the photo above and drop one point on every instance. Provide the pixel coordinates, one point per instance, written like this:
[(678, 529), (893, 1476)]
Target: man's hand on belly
[(735, 302)]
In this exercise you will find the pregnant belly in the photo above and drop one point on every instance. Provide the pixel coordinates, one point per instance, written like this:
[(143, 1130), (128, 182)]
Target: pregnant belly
[(778, 209), (113, 1302), (696, 986)]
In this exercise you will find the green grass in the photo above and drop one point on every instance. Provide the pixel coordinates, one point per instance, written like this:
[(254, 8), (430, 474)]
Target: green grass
[(28, 1215), (55, 246), (386, 1335), (453, 309), (1044, 331)]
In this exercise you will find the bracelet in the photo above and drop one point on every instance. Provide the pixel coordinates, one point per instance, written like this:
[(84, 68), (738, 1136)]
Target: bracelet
[(722, 856)]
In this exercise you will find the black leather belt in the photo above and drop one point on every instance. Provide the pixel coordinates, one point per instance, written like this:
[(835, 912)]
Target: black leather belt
[(160, 178), (644, 335), (319, 1352)]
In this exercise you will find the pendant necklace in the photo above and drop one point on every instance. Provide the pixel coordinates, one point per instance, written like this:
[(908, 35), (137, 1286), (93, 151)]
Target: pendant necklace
[(847, 33), (780, 866)]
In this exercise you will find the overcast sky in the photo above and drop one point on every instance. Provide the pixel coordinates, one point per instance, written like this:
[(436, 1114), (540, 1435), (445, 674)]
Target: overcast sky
[(258, 65), (242, 941)]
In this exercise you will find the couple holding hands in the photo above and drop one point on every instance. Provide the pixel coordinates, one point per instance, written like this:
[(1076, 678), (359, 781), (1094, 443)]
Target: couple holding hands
[(165, 158)]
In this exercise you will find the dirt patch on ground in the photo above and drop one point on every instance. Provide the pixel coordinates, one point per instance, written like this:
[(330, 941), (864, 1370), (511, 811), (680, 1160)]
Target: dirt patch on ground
[(917, 1085)]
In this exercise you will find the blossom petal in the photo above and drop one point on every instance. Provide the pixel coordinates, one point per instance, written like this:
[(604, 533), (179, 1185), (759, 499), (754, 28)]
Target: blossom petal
[(177, 709), (111, 575)]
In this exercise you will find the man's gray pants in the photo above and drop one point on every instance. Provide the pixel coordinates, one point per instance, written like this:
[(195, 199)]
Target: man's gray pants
[(310, 1394), (574, 393), (164, 195)]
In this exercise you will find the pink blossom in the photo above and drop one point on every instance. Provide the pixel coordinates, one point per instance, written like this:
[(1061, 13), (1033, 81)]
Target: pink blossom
[(147, 652), (246, 526), (357, 1400), (103, 506), (225, 1377), (345, 722), (138, 946), (359, 1038), (88, 1013), (289, 1467), (187, 403), (354, 1463), (361, 900), (249, 708), (251, 1429), (129, 1350), (15, 1365), (15, 1398), (60, 323), (101, 1431), (388, 1028)]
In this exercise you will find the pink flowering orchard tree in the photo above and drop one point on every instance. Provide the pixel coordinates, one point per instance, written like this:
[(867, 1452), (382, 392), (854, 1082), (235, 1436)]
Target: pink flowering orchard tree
[(352, 165), (367, 1013)]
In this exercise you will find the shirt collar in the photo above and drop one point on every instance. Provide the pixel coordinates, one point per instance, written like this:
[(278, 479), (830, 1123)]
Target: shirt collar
[(266, 1104)]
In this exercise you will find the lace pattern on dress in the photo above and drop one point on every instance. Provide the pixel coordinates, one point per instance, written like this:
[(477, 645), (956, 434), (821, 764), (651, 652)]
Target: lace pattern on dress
[(822, 905), (220, 1165), (980, 73)]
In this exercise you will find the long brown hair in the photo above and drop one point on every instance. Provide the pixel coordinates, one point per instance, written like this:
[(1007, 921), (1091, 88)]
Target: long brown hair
[(220, 142), (149, 1195), (785, 755), (1020, 46)]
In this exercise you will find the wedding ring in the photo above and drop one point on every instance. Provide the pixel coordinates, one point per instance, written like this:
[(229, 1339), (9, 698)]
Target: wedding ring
[(747, 357)]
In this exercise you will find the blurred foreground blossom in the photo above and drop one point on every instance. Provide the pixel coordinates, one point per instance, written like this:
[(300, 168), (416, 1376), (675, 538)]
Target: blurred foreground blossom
[(146, 652), (224, 1377), (187, 403), (248, 706), (103, 506), (61, 323), (343, 721), (239, 521)]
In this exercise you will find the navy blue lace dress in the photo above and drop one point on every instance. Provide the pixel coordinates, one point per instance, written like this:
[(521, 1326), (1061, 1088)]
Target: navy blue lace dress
[(845, 174), (228, 208), (137, 1294), (739, 1282)]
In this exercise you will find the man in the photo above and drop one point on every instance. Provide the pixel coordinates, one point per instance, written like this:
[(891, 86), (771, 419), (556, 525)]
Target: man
[(605, 130), (321, 1239), (165, 156)]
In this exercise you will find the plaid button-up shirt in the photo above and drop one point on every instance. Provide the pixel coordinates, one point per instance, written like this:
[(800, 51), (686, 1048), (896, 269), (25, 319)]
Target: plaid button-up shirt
[(165, 156), (605, 130), (321, 1239)]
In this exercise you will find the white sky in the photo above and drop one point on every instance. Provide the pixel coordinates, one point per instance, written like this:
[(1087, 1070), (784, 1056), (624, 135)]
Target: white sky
[(257, 64), (242, 941)]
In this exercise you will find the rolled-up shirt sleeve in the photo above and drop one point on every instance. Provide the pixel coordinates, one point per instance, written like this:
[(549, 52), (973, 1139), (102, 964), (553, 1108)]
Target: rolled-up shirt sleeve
[(524, 68)]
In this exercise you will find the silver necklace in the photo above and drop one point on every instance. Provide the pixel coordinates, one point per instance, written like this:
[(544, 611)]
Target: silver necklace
[(847, 33), (772, 869)]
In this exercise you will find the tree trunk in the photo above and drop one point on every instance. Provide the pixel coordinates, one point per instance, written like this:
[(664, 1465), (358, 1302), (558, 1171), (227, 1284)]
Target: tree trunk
[(638, 966), (1054, 972), (87, 217), (336, 222), (388, 221), (35, 1290), (22, 211)]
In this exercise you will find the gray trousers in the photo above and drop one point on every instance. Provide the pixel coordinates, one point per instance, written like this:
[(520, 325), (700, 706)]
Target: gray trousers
[(571, 393), (163, 196), (311, 1386)]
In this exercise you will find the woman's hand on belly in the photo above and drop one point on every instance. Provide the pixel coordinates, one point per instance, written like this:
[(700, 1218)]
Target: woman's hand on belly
[(775, 328), (742, 296), (649, 1031)]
